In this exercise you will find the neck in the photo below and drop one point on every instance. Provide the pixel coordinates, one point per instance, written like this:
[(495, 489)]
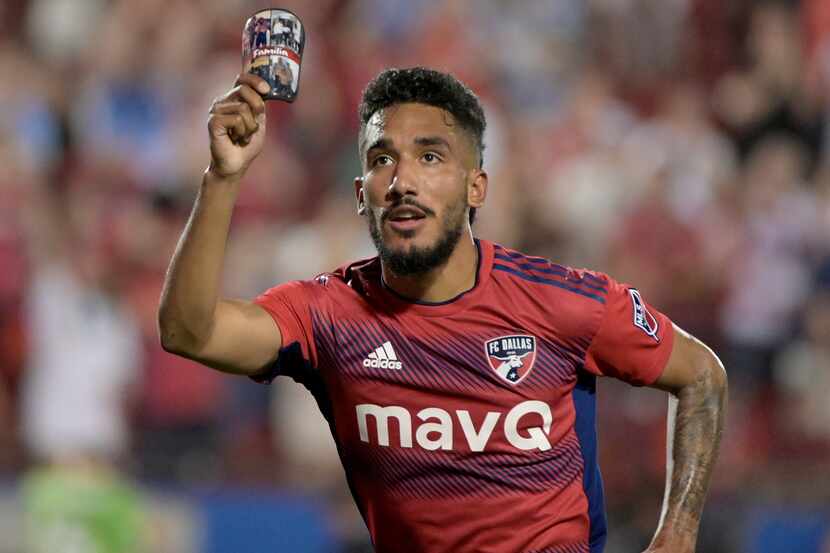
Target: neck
[(442, 283)]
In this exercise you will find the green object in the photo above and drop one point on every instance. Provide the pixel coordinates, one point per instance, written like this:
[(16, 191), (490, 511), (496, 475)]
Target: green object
[(71, 511)]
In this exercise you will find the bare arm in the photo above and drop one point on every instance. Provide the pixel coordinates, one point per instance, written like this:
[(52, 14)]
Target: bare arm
[(229, 335), (697, 381)]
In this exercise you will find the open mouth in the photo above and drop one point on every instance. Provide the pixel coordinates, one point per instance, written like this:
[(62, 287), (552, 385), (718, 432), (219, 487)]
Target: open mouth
[(405, 217)]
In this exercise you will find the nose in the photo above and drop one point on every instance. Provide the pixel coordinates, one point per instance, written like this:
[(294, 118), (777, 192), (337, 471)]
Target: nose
[(403, 181)]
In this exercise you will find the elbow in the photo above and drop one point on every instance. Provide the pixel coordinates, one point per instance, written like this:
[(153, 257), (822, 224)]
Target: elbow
[(712, 380), (693, 369), (168, 340), (718, 380), (174, 336), (168, 335)]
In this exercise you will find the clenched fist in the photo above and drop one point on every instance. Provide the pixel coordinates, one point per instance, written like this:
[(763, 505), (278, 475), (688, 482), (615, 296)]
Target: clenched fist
[(237, 127)]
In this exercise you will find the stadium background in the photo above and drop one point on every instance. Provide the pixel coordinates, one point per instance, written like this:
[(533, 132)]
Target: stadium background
[(677, 144)]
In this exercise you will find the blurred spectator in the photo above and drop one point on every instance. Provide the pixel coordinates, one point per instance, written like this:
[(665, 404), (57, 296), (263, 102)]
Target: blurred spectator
[(84, 353), (178, 405), (769, 96), (770, 280), (803, 372)]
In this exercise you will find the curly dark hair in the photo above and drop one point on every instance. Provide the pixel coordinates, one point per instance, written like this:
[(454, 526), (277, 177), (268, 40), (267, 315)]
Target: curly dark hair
[(430, 87)]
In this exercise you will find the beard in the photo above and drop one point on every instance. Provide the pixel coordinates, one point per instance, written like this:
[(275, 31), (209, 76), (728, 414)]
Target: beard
[(414, 260)]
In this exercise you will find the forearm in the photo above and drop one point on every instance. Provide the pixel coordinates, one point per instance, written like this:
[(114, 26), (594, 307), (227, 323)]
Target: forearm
[(191, 286), (695, 424)]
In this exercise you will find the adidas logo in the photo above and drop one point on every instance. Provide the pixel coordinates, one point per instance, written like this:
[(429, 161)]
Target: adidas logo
[(383, 357)]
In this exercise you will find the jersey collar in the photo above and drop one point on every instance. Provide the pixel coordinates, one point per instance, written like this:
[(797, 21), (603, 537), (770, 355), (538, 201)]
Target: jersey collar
[(389, 300)]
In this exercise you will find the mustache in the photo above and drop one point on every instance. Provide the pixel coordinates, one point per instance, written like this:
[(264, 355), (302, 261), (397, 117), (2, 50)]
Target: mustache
[(410, 202)]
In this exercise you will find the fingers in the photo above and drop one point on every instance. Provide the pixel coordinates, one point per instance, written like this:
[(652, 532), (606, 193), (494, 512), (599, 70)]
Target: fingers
[(231, 124), (253, 100), (255, 82), (245, 93), (240, 111), (243, 109)]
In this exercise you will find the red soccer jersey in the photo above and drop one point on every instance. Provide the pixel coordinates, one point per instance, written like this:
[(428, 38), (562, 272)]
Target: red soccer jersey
[(469, 425)]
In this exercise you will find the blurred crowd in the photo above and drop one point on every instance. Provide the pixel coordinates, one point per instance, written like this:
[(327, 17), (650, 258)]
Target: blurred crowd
[(679, 145)]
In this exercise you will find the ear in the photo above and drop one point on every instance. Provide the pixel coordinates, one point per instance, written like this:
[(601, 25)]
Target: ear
[(358, 191), (477, 189)]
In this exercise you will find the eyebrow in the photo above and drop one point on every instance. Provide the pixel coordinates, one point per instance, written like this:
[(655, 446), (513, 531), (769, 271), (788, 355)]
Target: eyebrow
[(387, 144), (432, 141), (380, 144)]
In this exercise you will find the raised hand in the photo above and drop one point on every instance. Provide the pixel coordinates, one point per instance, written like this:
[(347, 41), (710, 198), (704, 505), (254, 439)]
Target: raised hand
[(237, 127)]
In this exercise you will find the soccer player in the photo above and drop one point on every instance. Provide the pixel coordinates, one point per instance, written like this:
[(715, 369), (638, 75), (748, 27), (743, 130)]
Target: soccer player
[(458, 376)]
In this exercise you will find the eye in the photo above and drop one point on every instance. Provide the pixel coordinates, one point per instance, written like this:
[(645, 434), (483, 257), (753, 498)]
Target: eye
[(431, 157), (381, 160)]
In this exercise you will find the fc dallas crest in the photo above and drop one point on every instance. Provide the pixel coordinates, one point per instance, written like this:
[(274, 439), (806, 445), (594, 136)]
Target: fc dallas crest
[(512, 357)]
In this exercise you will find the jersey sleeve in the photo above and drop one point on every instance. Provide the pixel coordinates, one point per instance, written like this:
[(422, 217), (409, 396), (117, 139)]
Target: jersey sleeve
[(634, 340), (290, 306)]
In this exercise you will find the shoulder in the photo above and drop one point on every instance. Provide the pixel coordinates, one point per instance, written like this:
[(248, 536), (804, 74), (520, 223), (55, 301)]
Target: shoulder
[(347, 280), (355, 276), (549, 278), (554, 299)]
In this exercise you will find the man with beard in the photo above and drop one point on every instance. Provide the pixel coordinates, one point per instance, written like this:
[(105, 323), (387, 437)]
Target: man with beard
[(458, 376)]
